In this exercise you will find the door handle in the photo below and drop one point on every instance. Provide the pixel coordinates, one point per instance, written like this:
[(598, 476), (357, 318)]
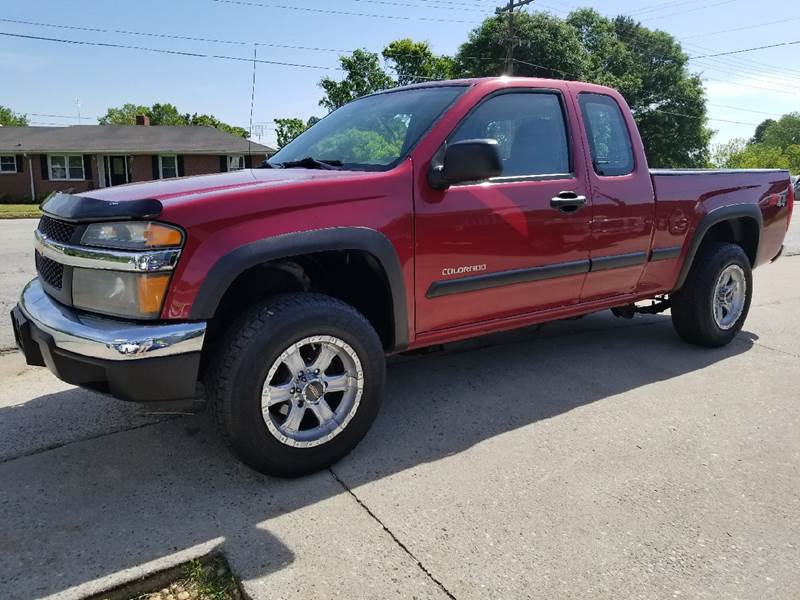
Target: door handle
[(567, 201)]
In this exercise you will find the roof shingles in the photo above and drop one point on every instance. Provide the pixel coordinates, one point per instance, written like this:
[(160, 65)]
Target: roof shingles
[(128, 139)]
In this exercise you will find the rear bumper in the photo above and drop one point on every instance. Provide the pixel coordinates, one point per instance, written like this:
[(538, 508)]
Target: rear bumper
[(132, 361)]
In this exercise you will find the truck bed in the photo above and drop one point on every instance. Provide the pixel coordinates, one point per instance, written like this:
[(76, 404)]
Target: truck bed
[(684, 196)]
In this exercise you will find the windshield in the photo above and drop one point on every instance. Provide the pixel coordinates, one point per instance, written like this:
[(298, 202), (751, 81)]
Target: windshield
[(372, 133)]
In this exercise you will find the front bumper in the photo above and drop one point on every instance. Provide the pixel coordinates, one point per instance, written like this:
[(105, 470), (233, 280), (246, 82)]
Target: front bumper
[(130, 360)]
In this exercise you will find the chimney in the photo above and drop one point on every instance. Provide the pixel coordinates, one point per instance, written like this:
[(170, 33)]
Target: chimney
[(142, 120)]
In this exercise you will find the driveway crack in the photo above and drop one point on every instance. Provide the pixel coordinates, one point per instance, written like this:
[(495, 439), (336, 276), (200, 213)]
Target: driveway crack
[(396, 540), (56, 446)]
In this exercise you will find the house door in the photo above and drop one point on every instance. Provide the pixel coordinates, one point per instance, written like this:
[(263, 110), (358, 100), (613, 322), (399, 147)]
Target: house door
[(117, 170)]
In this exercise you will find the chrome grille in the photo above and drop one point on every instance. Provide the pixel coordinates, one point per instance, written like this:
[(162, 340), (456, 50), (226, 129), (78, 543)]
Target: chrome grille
[(58, 231), (51, 272)]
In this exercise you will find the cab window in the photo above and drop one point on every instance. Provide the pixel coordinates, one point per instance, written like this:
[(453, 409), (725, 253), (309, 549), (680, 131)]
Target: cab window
[(529, 128), (609, 139)]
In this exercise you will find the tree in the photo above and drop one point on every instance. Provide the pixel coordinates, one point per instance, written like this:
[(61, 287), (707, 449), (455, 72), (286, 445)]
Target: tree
[(165, 114), (758, 136), (287, 129), (414, 62), (363, 76), (650, 70), (740, 154), (648, 67), (545, 46), (784, 132), (8, 118)]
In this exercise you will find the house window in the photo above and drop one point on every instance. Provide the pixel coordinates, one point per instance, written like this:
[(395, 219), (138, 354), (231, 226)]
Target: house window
[(168, 166), (66, 167), (8, 164), (236, 163)]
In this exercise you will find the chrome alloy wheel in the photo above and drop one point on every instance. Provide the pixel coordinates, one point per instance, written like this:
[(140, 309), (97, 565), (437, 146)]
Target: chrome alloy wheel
[(730, 294), (311, 391)]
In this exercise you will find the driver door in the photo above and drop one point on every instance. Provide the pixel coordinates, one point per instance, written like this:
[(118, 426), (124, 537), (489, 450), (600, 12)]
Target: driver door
[(504, 247)]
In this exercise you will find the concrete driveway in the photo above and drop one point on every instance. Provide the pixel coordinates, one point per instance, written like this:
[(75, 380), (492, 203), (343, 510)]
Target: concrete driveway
[(597, 458)]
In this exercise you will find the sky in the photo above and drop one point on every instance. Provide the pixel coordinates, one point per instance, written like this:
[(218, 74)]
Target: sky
[(55, 82)]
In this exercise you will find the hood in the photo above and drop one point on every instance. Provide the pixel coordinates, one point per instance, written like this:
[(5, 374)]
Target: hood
[(167, 190)]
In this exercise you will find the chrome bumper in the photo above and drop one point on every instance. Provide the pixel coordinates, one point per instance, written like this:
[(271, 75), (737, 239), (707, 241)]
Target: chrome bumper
[(104, 338)]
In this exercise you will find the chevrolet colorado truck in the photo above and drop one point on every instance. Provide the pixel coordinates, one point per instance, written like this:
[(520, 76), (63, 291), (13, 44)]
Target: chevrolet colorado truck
[(408, 218)]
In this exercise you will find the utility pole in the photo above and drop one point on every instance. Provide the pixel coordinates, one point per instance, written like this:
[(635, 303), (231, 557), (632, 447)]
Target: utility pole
[(509, 10)]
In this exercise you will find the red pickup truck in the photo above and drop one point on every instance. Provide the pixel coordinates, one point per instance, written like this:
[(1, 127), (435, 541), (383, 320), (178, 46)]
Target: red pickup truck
[(408, 218)]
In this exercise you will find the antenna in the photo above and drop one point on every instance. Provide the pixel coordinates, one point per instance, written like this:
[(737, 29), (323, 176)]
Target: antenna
[(78, 106)]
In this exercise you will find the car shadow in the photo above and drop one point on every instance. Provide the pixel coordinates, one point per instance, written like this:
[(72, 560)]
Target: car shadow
[(96, 513)]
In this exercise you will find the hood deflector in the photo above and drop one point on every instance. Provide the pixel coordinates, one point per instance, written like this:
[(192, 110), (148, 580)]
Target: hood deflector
[(69, 207)]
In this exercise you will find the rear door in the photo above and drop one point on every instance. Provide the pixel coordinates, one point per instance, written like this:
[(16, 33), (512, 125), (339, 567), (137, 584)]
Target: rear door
[(517, 243), (623, 203)]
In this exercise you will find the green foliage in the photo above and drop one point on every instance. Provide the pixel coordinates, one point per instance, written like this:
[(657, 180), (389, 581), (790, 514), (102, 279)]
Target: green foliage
[(287, 129), (359, 146), (364, 75), (740, 154), (650, 70), (8, 118), (415, 62), (165, 114), (758, 136), (546, 47), (784, 132), (648, 67)]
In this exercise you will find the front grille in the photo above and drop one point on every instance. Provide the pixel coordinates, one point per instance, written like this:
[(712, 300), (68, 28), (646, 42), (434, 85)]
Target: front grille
[(50, 271), (58, 231)]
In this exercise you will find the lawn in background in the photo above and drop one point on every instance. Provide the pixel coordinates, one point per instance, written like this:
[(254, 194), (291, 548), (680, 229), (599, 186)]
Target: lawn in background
[(19, 211)]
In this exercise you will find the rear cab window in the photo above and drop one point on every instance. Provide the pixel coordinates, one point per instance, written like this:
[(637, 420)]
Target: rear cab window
[(609, 139)]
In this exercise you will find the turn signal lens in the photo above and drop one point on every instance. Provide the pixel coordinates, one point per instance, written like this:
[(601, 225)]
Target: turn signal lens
[(151, 292), (159, 236), (132, 235)]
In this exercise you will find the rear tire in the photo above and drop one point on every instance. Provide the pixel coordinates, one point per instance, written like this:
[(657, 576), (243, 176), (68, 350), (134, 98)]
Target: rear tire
[(711, 307), (297, 383)]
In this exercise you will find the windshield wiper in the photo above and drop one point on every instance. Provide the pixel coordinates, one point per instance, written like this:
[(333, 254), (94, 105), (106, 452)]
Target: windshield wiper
[(309, 162)]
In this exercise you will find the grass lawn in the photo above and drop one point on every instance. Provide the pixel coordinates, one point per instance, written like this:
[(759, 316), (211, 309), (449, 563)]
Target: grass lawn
[(19, 211)]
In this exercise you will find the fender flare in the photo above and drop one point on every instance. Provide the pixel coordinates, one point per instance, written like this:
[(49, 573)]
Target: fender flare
[(724, 213), (225, 271)]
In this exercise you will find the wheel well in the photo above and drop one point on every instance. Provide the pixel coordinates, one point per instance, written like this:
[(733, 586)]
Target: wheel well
[(353, 276), (743, 231)]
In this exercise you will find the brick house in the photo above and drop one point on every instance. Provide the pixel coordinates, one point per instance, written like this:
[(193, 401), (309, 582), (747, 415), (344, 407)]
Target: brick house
[(35, 161)]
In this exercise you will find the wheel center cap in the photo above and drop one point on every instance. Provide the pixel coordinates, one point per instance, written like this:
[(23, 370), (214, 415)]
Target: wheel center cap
[(313, 391)]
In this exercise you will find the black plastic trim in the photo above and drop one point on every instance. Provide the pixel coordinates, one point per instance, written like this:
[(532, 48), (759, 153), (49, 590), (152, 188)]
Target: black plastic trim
[(618, 261), (667, 253), (142, 380), (77, 209), (229, 267), (726, 213), (501, 278)]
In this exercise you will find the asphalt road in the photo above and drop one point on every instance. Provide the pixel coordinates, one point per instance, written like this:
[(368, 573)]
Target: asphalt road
[(16, 266), (597, 458)]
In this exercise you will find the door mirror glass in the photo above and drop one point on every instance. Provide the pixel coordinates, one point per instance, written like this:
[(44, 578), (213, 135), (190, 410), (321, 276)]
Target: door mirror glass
[(466, 161)]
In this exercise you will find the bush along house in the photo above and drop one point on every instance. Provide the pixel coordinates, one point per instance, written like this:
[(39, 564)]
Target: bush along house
[(35, 161)]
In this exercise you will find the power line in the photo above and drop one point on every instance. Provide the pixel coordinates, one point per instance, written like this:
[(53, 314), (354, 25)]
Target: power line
[(328, 11), (172, 36), (757, 112), (743, 50), (688, 10), (746, 27), (165, 51)]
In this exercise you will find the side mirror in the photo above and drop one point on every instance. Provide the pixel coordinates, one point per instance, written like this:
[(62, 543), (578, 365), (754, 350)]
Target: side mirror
[(465, 161)]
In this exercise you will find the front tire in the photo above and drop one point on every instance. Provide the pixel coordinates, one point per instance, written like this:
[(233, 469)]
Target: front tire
[(297, 383), (711, 307)]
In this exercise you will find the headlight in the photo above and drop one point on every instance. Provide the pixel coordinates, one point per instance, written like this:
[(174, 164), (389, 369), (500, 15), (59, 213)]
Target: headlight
[(132, 235), (119, 293)]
